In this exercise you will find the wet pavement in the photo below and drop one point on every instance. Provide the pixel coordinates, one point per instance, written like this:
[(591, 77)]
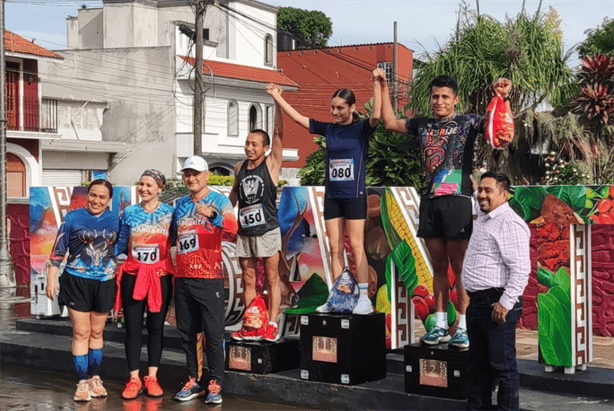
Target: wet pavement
[(35, 390), (23, 389)]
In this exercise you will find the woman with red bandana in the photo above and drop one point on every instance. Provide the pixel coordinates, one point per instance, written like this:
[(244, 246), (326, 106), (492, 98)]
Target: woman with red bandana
[(145, 280)]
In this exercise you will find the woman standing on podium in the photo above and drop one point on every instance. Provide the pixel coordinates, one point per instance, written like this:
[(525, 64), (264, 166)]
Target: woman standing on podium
[(347, 144), (145, 280), (87, 286)]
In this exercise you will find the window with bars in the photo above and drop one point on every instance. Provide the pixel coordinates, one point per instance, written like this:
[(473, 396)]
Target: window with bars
[(268, 50), (49, 115), (233, 119), (387, 67), (255, 118)]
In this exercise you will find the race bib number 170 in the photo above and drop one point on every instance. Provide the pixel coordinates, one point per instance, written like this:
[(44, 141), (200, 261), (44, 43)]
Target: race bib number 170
[(148, 254)]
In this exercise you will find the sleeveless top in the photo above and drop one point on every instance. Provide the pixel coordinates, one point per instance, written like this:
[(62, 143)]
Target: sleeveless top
[(257, 194)]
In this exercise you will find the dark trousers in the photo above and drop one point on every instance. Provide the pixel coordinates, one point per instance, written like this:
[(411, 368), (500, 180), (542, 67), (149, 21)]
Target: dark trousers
[(492, 357), (133, 318), (199, 306)]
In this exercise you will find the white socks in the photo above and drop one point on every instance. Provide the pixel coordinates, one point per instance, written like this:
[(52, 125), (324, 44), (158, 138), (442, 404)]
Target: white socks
[(441, 319), (363, 288), (462, 322)]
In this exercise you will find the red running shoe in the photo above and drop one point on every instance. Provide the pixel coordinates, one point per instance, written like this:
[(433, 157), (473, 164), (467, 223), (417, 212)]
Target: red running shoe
[(272, 332), (152, 386), (252, 334), (133, 389)]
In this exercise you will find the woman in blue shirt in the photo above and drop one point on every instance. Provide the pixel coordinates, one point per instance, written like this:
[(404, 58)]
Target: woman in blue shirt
[(87, 286), (345, 204)]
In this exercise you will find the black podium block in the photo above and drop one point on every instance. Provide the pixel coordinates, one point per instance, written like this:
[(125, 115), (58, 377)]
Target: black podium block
[(343, 349), (262, 357), (437, 371)]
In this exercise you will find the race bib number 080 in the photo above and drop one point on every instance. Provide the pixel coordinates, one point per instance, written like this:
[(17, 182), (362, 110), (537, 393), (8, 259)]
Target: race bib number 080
[(187, 243), (341, 170), (251, 216), (147, 254)]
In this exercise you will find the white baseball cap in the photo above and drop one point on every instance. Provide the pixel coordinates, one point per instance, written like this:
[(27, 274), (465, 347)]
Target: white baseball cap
[(195, 163)]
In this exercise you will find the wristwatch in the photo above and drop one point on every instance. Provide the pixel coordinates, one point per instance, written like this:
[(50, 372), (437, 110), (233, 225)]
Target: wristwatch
[(213, 216)]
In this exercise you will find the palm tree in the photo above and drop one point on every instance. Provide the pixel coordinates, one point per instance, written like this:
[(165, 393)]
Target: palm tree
[(526, 49)]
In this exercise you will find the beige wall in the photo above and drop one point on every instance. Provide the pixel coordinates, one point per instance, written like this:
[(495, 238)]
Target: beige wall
[(137, 86), (90, 28)]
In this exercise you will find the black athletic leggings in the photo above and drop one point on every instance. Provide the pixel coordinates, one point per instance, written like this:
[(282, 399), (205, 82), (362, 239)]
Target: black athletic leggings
[(133, 318)]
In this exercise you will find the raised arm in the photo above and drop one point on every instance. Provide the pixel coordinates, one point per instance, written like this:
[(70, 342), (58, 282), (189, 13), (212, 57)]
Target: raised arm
[(391, 123), (378, 74), (275, 158), (502, 88), (294, 115)]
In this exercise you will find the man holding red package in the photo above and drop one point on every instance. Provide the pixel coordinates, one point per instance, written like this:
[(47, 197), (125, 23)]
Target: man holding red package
[(446, 154)]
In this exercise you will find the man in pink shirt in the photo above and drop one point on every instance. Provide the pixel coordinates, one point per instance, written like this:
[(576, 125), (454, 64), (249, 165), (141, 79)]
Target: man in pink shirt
[(495, 272)]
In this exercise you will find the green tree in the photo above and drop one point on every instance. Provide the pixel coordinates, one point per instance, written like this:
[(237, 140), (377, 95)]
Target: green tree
[(312, 29), (595, 106), (527, 49), (599, 40)]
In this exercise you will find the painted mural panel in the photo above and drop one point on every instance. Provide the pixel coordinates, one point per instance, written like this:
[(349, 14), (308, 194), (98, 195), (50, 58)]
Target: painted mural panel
[(48, 206), (559, 298), (396, 258), (550, 211)]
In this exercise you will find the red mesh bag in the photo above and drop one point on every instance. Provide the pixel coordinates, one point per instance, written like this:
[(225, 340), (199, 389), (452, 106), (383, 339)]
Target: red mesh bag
[(499, 125), (255, 317)]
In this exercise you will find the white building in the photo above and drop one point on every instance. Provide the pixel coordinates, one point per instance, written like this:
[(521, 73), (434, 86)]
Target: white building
[(129, 58)]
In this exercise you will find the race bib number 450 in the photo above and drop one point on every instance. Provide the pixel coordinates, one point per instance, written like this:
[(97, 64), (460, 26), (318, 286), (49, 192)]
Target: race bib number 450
[(341, 170), (251, 216), (187, 242), (148, 254)]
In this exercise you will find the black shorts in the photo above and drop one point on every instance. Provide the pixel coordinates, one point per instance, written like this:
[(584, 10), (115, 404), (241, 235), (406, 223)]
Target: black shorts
[(447, 217), (85, 295), (350, 209)]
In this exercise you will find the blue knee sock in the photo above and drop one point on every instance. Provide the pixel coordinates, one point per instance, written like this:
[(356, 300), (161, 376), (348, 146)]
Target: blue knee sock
[(95, 358), (81, 366)]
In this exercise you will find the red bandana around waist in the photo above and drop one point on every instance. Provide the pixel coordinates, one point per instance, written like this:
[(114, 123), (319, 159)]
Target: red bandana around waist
[(147, 281)]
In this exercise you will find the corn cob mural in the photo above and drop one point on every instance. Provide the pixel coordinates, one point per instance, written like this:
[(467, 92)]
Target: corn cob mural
[(398, 233)]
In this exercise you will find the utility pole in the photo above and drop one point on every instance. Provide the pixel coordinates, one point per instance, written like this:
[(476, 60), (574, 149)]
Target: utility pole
[(199, 87), (395, 69), (7, 271)]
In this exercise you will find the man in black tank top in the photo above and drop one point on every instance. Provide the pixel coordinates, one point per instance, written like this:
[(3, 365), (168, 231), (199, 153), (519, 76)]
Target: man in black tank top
[(259, 236)]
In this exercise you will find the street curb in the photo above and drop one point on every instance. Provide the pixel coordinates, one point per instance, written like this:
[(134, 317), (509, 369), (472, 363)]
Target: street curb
[(50, 351)]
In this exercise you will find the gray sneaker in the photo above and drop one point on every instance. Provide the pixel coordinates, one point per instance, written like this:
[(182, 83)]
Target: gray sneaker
[(460, 338), (437, 335)]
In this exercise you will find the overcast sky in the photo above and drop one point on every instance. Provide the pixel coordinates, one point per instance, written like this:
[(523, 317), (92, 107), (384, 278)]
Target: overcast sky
[(420, 22)]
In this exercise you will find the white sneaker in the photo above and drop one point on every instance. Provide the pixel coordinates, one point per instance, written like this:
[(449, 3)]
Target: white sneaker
[(83, 391), (364, 306), (323, 308)]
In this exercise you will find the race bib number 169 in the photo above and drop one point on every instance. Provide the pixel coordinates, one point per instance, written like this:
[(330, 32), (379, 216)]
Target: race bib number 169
[(187, 242)]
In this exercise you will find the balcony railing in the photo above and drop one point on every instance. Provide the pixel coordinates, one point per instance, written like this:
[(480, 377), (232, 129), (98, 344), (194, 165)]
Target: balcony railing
[(43, 118)]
